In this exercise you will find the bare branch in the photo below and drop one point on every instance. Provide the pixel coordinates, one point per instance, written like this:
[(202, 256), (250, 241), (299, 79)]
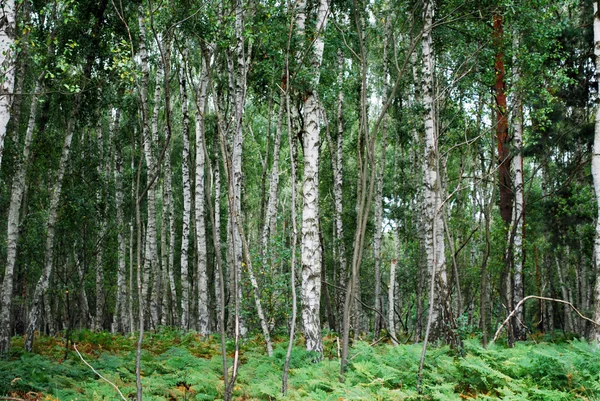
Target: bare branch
[(95, 371), (543, 299)]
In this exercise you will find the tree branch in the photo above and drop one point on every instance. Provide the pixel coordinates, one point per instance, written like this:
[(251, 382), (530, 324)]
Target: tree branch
[(543, 299), (96, 372)]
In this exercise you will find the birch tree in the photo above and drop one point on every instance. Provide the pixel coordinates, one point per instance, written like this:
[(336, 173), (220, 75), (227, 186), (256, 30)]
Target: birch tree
[(120, 317), (14, 210), (596, 176), (7, 65), (41, 286), (517, 215), (201, 106), (310, 247), (187, 202), (434, 226)]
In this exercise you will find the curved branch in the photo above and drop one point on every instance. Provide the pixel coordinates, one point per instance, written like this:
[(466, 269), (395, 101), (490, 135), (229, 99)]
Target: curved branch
[(543, 299), (96, 372)]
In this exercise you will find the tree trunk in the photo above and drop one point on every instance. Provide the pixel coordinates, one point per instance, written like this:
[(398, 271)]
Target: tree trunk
[(100, 296), (7, 63), (378, 237), (270, 221), (434, 234), (596, 178), (120, 321), (216, 173), (187, 202), (391, 301), (203, 312), (502, 121), (336, 151), (173, 300), (42, 284), (310, 249), (517, 224), (18, 188), (293, 181)]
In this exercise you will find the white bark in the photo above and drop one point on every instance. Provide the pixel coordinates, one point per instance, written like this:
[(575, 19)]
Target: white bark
[(7, 65), (596, 177), (16, 196), (310, 248), (187, 206), (517, 217), (151, 287), (42, 284), (377, 240), (217, 222), (434, 238), (391, 301), (269, 224), (337, 153), (170, 263), (164, 256), (99, 316), (200, 209), (120, 321)]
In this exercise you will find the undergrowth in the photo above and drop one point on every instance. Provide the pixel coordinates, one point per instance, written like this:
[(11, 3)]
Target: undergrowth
[(185, 366)]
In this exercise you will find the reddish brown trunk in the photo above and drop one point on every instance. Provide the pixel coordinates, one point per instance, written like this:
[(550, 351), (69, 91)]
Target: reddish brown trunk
[(502, 123)]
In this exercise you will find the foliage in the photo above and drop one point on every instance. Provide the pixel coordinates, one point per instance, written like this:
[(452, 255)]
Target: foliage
[(179, 366)]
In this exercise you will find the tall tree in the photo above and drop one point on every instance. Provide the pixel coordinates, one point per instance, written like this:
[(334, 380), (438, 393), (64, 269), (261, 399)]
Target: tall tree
[(8, 30), (43, 282), (14, 211), (311, 250), (596, 176)]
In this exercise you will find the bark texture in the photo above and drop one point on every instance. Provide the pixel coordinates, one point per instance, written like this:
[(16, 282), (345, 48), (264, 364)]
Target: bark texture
[(16, 196), (432, 188), (7, 65), (187, 203), (42, 284), (596, 177), (310, 248), (203, 312)]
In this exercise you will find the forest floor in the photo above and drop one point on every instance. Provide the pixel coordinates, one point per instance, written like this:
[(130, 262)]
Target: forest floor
[(178, 366)]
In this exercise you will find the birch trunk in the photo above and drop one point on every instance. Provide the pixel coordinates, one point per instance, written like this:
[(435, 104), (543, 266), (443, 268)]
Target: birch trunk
[(142, 278), (120, 321), (391, 324), (269, 223), (200, 213), (99, 316), (7, 65), (596, 178), (164, 250), (338, 194), (377, 240), (219, 290), (42, 284), (434, 234), (238, 70), (310, 247), (173, 301), (187, 204), (151, 290), (293, 180), (17, 190), (518, 216)]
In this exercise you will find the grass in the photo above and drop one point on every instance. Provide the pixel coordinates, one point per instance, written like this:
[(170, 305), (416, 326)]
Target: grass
[(186, 366)]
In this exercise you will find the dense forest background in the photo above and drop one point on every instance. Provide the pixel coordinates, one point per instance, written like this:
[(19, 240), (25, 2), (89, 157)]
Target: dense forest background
[(405, 170)]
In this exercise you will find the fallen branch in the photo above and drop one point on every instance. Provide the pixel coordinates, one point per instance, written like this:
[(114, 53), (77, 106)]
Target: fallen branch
[(543, 299), (12, 398), (96, 372)]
